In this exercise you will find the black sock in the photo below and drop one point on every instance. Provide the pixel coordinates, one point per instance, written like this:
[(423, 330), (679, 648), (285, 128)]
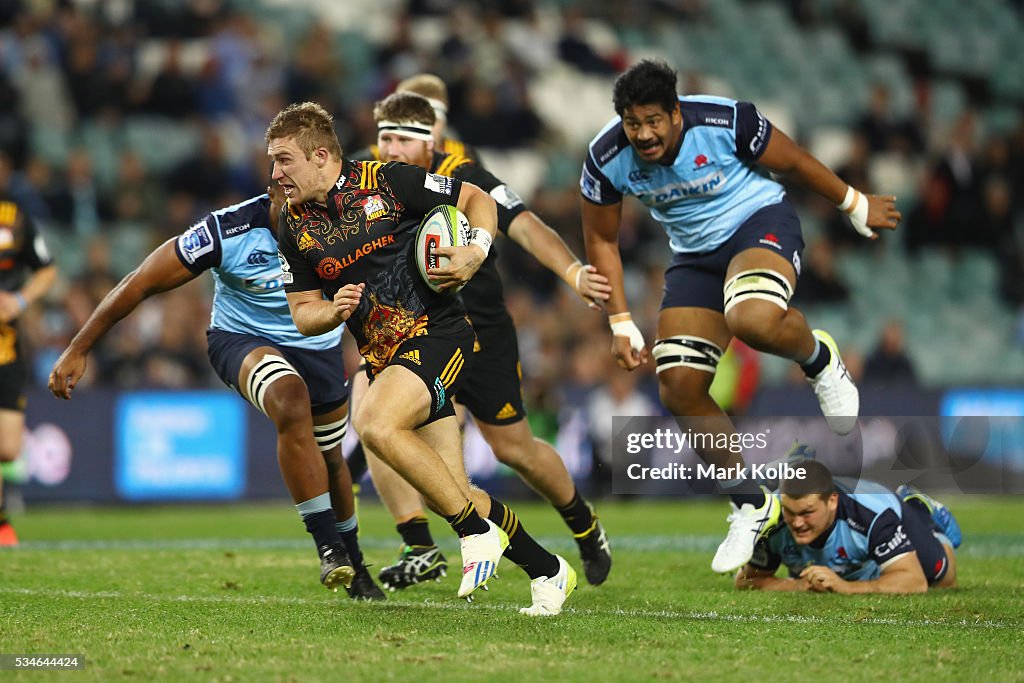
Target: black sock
[(3, 511), (578, 515), (741, 498), (321, 526), (416, 532), (467, 522), (349, 532), (522, 549), (818, 360), (357, 462)]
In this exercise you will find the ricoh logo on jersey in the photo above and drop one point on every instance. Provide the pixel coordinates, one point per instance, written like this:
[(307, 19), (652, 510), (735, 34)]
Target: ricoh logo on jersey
[(709, 184)]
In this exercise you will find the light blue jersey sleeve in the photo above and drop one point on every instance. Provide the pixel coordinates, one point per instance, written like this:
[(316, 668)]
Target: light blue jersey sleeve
[(239, 247), (711, 188)]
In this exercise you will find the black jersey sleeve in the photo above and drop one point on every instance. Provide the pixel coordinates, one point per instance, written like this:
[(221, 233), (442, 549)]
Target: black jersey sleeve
[(509, 203), (753, 131), (419, 191), (886, 538), (34, 252), (199, 248), (297, 273)]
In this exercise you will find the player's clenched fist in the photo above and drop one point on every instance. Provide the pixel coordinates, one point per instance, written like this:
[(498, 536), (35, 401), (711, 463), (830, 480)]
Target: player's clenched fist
[(346, 299)]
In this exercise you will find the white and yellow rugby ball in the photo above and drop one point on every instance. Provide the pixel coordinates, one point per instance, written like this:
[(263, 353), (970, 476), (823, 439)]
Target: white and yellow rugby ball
[(442, 226)]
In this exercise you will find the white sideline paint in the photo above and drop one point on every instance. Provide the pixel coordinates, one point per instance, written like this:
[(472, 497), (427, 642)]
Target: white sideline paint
[(459, 605), (990, 546)]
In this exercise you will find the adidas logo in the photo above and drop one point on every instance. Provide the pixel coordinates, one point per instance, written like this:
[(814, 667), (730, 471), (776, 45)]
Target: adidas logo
[(413, 356), (506, 412)]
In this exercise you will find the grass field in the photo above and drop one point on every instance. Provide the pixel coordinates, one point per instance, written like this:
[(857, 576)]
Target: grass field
[(231, 594)]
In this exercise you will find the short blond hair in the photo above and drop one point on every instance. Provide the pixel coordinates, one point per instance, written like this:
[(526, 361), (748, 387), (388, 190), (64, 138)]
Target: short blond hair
[(428, 85), (309, 125)]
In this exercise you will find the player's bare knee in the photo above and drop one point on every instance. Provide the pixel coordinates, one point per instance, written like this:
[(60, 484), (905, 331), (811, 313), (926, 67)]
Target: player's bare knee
[(10, 451), (684, 391), (377, 433), (515, 453), (756, 323), (755, 303), (287, 404)]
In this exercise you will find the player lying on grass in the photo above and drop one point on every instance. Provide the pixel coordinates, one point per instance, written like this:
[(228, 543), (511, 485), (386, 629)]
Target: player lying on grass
[(867, 541), (296, 381), (347, 237), (491, 391)]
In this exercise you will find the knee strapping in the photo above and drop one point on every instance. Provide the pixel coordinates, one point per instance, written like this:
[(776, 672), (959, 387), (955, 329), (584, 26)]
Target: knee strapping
[(767, 285), (685, 351), (267, 370), (330, 435)]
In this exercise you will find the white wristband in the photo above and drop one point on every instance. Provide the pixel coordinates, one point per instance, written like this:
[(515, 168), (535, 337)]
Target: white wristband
[(855, 204), (623, 326), (573, 274), (482, 239)]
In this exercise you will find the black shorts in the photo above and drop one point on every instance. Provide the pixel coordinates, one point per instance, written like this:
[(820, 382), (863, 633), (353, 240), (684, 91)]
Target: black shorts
[(323, 371), (697, 279), (921, 529), (441, 363), (13, 377), (492, 391), (13, 371)]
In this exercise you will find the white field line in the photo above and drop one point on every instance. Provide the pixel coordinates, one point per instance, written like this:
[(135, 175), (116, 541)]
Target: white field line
[(634, 613), (989, 546)]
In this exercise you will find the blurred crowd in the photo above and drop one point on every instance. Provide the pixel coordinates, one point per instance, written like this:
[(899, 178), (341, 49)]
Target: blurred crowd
[(124, 122)]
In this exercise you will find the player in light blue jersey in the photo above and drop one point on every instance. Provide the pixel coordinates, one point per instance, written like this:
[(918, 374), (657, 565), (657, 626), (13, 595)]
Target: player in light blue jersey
[(701, 165), (859, 537), (298, 382)]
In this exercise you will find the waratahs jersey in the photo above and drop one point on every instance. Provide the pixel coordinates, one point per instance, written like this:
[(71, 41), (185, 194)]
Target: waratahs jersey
[(868, 534), (239, 247), (711, 188)]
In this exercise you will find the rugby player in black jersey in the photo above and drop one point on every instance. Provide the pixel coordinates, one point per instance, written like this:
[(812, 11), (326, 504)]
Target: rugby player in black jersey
[(346, 242), (26, 274), (491, 391)]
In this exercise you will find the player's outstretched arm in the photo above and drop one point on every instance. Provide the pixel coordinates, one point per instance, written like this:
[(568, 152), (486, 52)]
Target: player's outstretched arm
[(601, 240), (161, 271), (867, 212), (755, 578), (13, 304), (482, 213), (547, 246)]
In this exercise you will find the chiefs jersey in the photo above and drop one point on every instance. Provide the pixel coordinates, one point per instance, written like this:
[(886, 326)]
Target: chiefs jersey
[(22, 248), (484, 296), (365, 233)]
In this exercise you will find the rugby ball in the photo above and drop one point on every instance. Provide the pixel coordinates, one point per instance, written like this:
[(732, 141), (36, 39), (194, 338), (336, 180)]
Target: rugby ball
[(442, 226)]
